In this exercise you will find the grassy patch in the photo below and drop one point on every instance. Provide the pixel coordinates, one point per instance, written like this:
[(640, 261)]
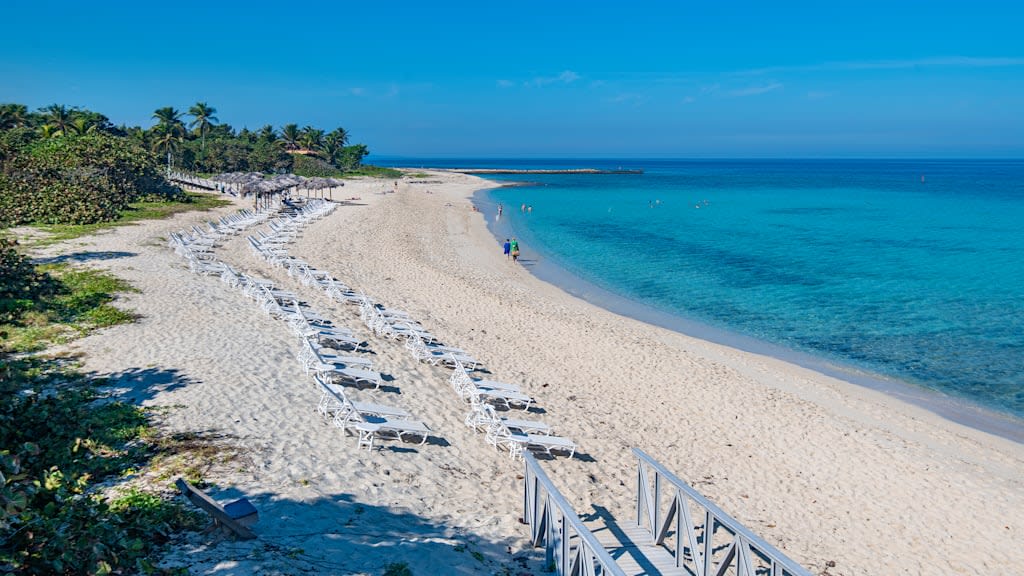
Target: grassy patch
[(79, 303), (375, 172), (192, 455), (417, 175), (136, 211)]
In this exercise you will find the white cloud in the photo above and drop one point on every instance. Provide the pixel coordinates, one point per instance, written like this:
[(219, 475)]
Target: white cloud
[(628, 98), (566, 77), (938, 62), (505, 83), (357, 91), (756, 89), (818, 95), (689, 100)]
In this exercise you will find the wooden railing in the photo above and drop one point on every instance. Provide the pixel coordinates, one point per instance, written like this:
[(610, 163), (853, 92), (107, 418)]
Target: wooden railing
[(570, 548), (705, 541)]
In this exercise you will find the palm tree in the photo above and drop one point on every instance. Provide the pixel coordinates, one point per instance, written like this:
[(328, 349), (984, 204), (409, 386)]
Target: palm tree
[(81, 126), (341, 134), (332, 147), (166, 138), (202, 118), (59, 116), (290, 136), (311, 138), (13, 116), (49, 131), (168, 116), (268, 134)]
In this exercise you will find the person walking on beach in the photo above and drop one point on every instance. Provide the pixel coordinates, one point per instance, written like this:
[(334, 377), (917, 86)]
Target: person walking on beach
[(507, 247), (514, 246)]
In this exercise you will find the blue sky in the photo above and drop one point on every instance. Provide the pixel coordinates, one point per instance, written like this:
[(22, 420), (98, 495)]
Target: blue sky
[(679, 79)]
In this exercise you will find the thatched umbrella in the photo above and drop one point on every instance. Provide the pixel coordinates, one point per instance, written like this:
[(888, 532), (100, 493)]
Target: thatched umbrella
[(238, 180), (286, 181), (335, 183)]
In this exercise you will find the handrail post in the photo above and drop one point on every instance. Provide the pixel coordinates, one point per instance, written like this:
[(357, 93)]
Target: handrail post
[(745, 545), (569, 544)]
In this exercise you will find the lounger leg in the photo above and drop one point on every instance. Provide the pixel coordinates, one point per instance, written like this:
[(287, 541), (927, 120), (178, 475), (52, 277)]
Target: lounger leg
[(366, 439)]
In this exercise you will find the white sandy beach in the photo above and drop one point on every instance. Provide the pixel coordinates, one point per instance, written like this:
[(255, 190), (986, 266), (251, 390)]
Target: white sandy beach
[(824, 470)]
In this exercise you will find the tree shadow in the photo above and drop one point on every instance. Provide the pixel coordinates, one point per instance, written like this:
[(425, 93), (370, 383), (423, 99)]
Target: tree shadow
[(136, 385), (84, 257), (338, 534)]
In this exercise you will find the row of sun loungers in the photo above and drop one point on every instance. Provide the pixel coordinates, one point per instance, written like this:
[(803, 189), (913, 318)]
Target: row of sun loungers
[(327, 352), (368, 420), (321, 344)]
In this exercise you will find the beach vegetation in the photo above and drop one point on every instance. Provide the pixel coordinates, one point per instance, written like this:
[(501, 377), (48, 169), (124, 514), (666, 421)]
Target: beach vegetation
[(74, 179), (136, 211), (376, 172), (54, 303), (73, 460), (202, 118), (64, 455), (68, 165), (290, 136)]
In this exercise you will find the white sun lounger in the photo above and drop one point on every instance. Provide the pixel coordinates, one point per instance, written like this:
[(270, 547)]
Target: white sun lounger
[(482, 415), (337, 406), (379, 427), (499, 436)]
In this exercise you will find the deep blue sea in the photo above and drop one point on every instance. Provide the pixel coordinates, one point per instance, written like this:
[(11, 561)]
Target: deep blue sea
[(908, 269)]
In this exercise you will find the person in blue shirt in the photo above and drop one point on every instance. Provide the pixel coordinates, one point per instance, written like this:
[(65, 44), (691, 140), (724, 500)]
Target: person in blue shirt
[(507, 247)]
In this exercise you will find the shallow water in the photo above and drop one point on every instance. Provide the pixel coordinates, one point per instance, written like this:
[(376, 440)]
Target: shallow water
[(909, 269)]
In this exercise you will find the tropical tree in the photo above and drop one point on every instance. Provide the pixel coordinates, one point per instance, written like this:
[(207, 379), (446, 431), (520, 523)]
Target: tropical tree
[(352, 156), (290, 136), (168, 116), (49, 131), (341, 135), (268, 134), (13, 116), (81, 126), (167, 138), (311, 138), (331, 148), (59, 116), (202, 118)]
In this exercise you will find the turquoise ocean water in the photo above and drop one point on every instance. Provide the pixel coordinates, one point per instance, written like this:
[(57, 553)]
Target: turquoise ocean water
[(909, 270)]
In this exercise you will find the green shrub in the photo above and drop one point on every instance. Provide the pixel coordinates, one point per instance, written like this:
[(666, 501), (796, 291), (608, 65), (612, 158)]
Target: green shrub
[(76, 180), (311, 166), (54, 449), (20, 283)]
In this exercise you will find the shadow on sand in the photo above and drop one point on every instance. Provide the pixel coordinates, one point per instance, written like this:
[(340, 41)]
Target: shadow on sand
[(337, 534), (85, 257), (136, 385)]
